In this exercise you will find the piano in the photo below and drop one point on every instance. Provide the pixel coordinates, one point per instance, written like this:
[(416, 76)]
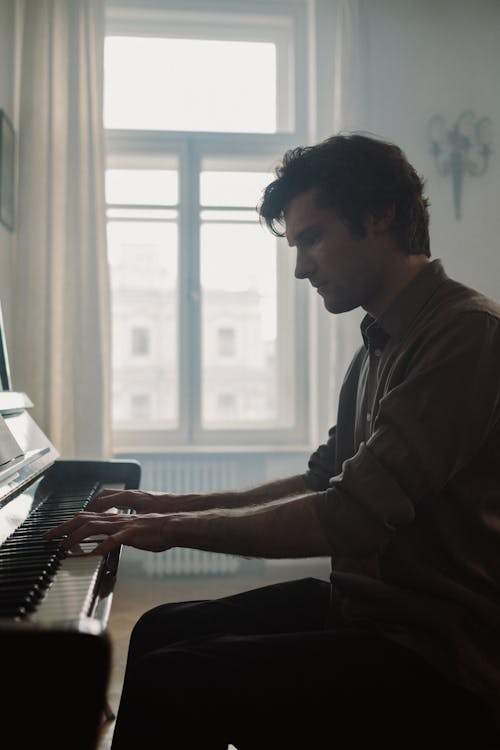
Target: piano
[(55, 651)]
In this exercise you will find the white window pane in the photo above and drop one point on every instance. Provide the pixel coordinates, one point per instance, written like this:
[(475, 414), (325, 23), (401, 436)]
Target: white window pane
[(239, 294), (232, 188), (240, 258), (143, 258), (189, 84), (142, 187)]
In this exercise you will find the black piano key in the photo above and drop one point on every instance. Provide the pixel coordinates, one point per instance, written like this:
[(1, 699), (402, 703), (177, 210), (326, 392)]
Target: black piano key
[(28, 572), (32, 549), (14, 613), (32, 541), (33, 560), (22, 598), (28, 590), (10, 584)]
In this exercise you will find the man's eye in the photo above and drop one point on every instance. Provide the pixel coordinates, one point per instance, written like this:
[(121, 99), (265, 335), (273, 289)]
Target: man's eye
[(308, 240)]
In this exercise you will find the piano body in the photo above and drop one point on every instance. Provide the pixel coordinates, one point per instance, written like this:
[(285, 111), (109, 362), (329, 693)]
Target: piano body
[(55, 654)]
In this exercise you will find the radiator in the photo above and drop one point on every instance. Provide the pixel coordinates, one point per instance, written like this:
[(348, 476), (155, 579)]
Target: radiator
[(188, 473)]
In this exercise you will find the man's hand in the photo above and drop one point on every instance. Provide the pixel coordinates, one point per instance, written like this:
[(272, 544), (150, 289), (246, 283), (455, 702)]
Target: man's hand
[(146, 531), (139, 501)]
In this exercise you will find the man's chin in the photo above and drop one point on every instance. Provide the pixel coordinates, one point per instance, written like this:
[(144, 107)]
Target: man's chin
[(337, 306)]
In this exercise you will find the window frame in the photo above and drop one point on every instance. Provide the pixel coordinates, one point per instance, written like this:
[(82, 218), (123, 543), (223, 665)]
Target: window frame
[(191, 148)]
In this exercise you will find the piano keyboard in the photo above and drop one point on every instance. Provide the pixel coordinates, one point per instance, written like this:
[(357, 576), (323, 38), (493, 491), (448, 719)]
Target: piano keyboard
[(39, 581)]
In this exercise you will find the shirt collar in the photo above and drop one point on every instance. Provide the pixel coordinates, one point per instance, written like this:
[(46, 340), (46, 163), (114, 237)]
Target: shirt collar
[(404, 308)]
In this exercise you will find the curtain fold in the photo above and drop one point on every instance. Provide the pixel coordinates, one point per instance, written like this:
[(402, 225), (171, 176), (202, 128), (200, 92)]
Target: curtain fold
[(348, 94), (61, 352), (339, 103), (349, 114)]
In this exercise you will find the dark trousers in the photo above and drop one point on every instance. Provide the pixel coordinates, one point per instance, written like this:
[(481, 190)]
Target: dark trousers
[(260, 670)]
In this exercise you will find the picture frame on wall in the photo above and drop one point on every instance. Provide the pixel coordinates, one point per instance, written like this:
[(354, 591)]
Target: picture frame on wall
[(6, 171)]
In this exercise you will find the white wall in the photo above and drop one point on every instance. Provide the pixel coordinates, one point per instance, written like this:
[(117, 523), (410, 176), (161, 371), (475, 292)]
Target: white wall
[(7, 104), (425, 57)]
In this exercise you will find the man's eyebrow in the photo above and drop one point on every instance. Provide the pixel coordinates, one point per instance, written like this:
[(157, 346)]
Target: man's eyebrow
[(303, 234)]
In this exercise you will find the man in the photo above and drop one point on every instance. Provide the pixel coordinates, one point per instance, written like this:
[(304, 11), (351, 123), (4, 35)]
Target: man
[(403, 646)]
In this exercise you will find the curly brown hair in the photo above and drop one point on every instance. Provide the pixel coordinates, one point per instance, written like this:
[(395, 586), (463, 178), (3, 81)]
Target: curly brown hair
[(356, 175)]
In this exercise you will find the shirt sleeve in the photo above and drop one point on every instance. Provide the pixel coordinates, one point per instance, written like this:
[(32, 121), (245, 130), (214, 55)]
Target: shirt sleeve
[(429, 425), (321, 464)]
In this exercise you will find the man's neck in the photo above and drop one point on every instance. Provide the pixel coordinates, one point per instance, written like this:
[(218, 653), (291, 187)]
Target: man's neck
[(400, 272)]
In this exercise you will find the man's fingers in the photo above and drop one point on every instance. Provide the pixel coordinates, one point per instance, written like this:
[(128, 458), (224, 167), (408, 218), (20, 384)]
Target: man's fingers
[(98, 544), (82, 520), (97, 527), (107, 499)]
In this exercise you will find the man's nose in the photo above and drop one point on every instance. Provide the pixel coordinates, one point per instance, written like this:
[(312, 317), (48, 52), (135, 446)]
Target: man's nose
[(303, 266)]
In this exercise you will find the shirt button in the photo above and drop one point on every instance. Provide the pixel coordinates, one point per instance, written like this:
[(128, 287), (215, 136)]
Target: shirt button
[(377, 352)]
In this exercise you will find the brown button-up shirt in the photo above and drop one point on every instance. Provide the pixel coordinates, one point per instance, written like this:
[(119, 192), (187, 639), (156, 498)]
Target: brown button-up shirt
[(411, 474)]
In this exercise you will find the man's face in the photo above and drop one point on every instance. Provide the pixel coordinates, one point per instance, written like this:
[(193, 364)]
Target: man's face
[(344, 268)]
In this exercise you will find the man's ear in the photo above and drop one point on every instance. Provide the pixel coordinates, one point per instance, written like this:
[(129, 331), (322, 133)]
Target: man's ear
[(382, 220)]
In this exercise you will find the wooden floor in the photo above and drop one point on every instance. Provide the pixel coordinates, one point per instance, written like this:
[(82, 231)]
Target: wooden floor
[(135, 593)]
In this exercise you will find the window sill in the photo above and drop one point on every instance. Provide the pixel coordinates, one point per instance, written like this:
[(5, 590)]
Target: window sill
[(204, 450)]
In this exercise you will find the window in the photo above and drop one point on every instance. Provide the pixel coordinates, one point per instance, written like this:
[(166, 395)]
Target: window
[(226, 340), (140, 342), (198, 109), (226, 404), (140, 406)]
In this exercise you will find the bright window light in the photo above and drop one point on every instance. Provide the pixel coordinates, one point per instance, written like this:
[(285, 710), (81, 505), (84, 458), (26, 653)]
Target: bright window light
[(232, 188), (142, 186), (189, 84)]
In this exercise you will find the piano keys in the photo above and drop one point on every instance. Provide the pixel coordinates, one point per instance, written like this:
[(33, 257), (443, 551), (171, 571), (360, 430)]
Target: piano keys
[(55, 652), (39, 581)]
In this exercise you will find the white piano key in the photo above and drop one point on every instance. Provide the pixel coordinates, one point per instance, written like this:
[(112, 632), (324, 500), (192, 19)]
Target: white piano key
[(71, 594)]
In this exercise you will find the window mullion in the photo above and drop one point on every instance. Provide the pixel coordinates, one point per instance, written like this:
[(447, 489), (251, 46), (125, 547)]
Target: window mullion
[(189, 292)]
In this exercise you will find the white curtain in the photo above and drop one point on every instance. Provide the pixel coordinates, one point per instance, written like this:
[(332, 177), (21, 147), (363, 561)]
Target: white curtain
[(349, 113), (61, 339), (348, 95), (337, 97), (339, 104)]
